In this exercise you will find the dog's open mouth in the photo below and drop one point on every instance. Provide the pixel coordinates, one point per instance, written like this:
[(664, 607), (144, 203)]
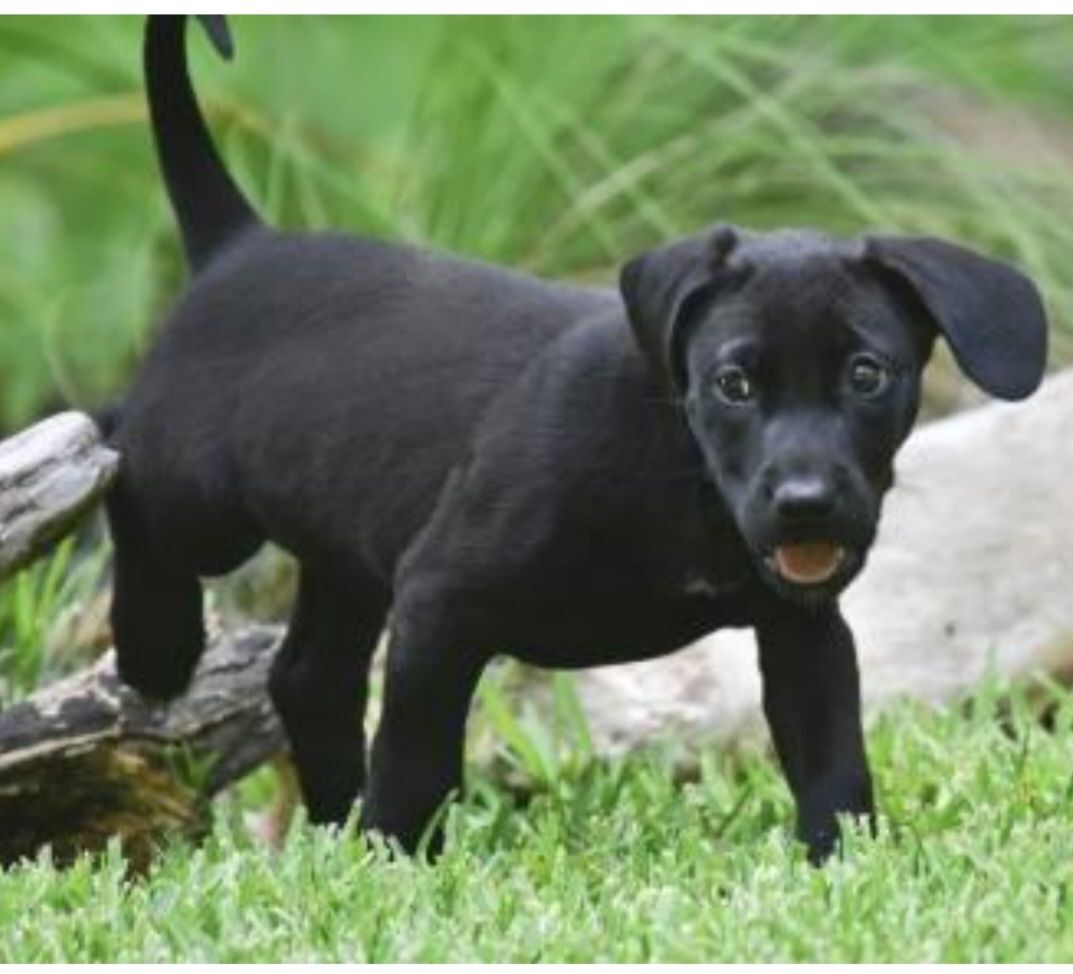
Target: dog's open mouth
[(807, 563)]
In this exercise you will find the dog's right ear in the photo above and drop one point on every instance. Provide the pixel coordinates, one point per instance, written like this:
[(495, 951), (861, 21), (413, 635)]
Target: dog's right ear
[(990, 314), (660, 286)]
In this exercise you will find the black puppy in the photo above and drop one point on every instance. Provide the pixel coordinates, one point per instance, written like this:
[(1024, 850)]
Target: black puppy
[(570, 476)]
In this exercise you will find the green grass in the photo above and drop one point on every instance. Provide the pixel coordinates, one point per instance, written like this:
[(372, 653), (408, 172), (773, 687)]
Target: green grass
[(34, 609), (620, 862)]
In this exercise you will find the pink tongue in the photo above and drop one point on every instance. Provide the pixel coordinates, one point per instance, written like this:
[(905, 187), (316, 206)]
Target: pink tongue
[(809, 563)]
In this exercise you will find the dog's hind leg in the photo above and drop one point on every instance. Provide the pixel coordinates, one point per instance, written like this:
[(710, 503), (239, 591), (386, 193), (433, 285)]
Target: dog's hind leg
[(156, 615), (319, 685)]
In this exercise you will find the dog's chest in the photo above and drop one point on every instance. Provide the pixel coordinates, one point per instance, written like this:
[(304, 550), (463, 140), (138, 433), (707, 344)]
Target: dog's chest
[(646, 601), (695, 555), (593, 630), (694, 585)]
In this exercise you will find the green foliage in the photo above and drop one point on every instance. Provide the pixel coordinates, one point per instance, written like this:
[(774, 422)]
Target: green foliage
[(560, 144), (32, 603), (619, 862)]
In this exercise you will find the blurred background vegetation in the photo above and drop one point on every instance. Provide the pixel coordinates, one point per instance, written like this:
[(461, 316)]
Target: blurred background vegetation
[(560, 145)]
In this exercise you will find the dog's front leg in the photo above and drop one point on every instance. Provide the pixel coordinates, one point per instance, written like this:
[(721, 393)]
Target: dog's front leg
[(813, 706), (417, 756)]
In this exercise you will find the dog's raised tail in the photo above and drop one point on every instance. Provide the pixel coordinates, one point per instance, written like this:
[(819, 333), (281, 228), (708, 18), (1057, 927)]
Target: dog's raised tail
[(210, 207)]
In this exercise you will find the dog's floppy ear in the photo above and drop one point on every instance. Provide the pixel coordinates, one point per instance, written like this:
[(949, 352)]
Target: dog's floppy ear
[(658, 287), (989, 313)]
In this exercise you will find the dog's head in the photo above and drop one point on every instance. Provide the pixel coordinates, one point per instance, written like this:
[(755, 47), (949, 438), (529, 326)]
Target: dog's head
[(798, 358)]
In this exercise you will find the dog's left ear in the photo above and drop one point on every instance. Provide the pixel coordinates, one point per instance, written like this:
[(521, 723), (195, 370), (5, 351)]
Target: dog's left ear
[(659, 288), (989, 313)]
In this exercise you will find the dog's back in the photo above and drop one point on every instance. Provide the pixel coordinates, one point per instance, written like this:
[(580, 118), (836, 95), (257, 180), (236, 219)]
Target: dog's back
[(303, 378)]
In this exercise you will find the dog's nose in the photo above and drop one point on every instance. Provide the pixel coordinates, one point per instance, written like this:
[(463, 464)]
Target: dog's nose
[(804, 497)]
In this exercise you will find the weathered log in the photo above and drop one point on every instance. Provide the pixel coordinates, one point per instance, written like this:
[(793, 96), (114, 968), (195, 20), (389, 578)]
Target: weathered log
[(50, 475), (88, 758)]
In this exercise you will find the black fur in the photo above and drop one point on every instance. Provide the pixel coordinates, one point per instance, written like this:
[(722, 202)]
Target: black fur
[(210, 208), (524, 467)]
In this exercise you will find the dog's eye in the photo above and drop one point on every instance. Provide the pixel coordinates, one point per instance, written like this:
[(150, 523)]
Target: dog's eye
[(868, 376), (733, 384)]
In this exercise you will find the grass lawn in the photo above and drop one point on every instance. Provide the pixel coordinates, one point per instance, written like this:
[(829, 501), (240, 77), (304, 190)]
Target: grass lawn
[(618, 862)]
